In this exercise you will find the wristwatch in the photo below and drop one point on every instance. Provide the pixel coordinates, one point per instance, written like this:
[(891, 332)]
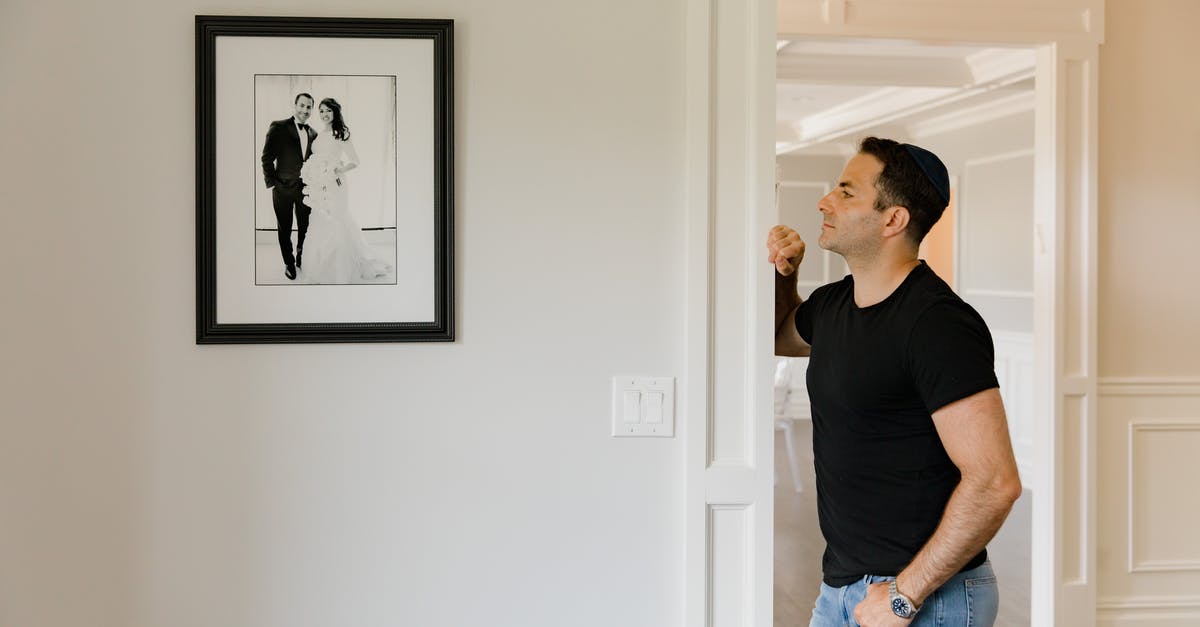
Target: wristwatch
[(902, 606)]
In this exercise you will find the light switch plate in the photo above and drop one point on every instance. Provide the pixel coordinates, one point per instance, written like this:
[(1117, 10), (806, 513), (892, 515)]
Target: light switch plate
[(647, 390)]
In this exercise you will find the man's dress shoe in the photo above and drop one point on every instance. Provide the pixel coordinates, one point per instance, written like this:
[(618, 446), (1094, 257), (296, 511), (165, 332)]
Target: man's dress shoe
[(290, 272)]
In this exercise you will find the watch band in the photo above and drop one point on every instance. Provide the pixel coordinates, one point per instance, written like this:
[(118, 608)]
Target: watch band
[(902, 606)]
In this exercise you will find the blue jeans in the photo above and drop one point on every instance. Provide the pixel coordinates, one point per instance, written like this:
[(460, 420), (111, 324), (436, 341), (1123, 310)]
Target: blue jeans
[(968, 599)]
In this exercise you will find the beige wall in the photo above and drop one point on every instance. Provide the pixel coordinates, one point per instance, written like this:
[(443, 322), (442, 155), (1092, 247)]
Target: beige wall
[(1150, 188), (1149, 412), (149, 482)]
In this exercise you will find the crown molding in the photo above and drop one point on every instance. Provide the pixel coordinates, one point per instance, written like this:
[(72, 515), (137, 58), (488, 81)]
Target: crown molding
[(1008, 21), (1001, 64), (873, 70), (1021, 102)]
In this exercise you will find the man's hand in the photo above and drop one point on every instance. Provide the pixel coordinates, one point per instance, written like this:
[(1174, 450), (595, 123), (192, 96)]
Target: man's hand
[(876, 609), (785, 249)]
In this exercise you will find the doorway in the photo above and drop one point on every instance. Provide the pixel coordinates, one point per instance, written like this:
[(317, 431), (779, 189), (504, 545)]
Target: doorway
[(973, 105), (726, 395)]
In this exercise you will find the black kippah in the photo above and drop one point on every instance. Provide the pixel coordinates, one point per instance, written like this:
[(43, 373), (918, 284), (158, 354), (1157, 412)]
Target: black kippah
[(934, 169)]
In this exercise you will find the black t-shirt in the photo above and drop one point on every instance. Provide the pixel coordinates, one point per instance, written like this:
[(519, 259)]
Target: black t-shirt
[(875, 376)]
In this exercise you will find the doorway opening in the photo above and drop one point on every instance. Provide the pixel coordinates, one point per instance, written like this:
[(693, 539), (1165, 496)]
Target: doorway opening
[(974, 106)]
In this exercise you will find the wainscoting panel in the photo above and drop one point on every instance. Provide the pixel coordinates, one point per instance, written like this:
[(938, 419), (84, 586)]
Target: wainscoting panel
[(1149, 506), (1161, 515), (730, 529)]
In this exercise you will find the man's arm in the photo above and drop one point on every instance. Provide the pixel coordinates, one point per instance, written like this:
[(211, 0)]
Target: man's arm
[(974, 432), (785, 250), (268, 156)]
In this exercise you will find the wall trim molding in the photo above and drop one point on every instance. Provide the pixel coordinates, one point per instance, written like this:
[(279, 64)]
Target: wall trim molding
[(1136, 563), (1149, 386), (1148, 602), (1168, 609)]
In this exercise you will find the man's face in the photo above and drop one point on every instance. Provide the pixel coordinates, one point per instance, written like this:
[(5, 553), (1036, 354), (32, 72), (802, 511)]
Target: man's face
[(304, 106), (851, 223)]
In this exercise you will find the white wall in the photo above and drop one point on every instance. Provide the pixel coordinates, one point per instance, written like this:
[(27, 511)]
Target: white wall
[(1149, 412), (146, 481)]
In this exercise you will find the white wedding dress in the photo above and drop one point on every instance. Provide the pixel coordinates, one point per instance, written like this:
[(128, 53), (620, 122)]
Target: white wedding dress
[(335, 252)]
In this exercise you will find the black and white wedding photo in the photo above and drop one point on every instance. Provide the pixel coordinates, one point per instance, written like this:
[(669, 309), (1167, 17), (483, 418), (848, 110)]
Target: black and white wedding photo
[(325, 177), (326, 212)]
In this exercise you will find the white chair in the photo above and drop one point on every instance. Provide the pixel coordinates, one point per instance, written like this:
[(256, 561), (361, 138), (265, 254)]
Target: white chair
[(783, 421)]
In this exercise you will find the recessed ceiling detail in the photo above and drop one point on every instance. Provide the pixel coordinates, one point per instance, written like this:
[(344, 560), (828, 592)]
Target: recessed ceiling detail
[(829, 91)]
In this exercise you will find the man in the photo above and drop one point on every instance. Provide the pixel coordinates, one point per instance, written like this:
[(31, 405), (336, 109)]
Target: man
[(287, 146), (915, 470)]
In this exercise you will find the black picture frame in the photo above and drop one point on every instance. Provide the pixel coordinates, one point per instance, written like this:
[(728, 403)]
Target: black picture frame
[(213, 325)]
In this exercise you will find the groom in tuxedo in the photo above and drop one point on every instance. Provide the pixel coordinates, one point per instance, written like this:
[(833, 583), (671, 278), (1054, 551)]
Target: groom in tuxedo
[(289, 143)]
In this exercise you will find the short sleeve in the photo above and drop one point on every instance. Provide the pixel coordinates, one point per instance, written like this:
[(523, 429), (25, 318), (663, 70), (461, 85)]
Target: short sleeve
[(804, 316), (950, 354)]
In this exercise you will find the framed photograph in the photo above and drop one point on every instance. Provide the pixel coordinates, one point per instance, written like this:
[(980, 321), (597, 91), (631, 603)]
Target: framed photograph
[(324, 180)]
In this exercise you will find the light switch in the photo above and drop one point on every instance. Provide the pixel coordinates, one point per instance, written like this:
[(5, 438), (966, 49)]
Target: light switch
[(654, 408), (633, 407), (643, 406)]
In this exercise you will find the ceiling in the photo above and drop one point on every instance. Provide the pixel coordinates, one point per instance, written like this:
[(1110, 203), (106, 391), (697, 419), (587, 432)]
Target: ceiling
[(829, 93)]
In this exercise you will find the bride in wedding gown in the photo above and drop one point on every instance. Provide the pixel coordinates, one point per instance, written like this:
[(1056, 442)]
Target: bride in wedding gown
[(335, 251)]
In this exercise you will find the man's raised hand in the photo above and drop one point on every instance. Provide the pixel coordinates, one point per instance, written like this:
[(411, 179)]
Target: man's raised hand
[(785, 249)]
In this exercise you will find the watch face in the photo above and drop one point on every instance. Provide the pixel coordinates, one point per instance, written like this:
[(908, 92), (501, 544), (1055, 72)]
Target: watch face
[(901, 608)]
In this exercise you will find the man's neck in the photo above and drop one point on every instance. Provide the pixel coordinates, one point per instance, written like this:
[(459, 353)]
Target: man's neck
[(876, 279)]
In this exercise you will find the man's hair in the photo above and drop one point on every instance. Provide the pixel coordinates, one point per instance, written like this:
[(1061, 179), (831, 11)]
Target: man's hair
[(903, 183), (304, 95)]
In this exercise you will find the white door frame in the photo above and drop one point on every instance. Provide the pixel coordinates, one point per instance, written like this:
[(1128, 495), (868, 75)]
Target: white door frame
[(726, 399)]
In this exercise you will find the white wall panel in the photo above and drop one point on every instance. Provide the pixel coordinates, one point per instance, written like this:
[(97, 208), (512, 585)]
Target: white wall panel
[(732, 204), (1079, 201), (1074, 497), (1162, 517), (731, 541), (732, 429), (1150, 558), (995, 214)]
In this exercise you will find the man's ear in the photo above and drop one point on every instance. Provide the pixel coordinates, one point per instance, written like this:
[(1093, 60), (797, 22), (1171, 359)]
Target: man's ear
[(895, 220)]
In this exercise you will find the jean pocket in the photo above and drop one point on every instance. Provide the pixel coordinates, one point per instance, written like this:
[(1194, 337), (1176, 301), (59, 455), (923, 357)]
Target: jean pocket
[(983, 600)]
